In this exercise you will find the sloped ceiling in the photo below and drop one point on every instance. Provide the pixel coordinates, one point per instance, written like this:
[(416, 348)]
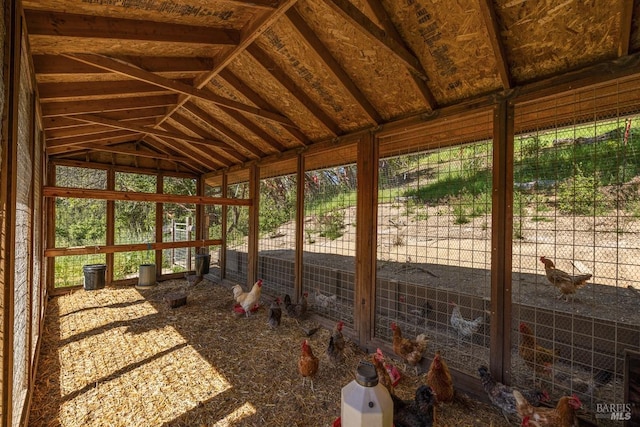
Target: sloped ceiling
[(200, 86)]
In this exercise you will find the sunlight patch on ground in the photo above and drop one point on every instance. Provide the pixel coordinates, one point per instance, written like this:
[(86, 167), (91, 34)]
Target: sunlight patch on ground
[(244, 411)]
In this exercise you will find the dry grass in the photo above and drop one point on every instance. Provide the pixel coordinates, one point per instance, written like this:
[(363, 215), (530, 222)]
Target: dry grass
[(122, 357)]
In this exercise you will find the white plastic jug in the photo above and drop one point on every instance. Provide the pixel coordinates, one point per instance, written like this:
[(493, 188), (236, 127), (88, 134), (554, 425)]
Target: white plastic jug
[(365, 402)]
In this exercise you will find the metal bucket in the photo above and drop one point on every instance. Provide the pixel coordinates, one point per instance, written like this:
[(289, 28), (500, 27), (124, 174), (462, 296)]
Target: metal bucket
[(147, 275), (94, 276)]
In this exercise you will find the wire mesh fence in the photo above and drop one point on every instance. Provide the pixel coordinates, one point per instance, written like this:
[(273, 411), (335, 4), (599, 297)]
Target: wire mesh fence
[(576, 244), (237, 234)]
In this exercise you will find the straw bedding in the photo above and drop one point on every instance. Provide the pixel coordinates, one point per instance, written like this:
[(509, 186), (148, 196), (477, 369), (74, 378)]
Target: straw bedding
[(123, 357)]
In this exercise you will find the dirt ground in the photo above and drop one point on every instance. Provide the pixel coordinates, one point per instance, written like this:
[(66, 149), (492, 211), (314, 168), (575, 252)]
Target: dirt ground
[(122, 357)]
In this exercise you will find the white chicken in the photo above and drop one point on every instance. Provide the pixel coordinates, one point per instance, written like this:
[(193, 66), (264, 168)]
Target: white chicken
[(247, 299), (324, 301), (465, 328)]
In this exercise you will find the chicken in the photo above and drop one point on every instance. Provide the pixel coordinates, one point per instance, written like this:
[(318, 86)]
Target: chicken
[(383, 374), (247, 299), (324, 301), (502, 397), (465, 328), (535, 356), (308, 364), (574, 382), (563, 415), (275, 313), (566, 283), (439, 379), (296, 311), (409, 350), (335, 349), (414, 413)]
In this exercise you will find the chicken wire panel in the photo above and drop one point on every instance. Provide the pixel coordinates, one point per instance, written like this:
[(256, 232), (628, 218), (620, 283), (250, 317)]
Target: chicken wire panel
[(577, 225), (178, 220), (237, 263), (68, 269), (135, 222), (277, 240), (77, 177), (434, 254), (126, 265), (213, 228), (330, 241)]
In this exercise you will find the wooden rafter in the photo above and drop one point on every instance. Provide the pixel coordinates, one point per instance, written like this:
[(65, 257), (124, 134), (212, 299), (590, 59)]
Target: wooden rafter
[(143, 129), (332, 64), (283, 78), (134, 153), (626, 20), (383, 17), (99, 106), (97, 90), (175, 86), (108, 135), (193, 152), (246, 91), (89, 129), (491, 23), (222, 129), (43, 23), (354, 16), (201, 150), (56, 64)]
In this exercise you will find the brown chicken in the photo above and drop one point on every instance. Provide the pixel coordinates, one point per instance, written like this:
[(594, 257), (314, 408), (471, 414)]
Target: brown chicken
[(535, 356), (383, 375), (439, 379), (409, 350), (308, 364), (247, 300), (566, 283), (563, 415), (335, 349)]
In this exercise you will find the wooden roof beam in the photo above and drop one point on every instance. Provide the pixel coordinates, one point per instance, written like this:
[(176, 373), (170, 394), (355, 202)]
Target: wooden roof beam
[(70, 91), (194, 153), (332, 64), (491, 23), (354, 16), (222, 129), (283, 78), (135, 153), (383, 17), (144, 129), (246, 91), (63, 122), (88, 129), (52, 109), (109, 136), (175, 86), (626, 20), (56, 64), (44, 23)]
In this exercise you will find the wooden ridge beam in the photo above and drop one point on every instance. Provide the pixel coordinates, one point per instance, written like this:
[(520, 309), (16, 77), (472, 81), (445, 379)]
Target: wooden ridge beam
[(44, 23), (357, 18), (144, 129), (332, 64), (175, 86), (283, 78), (81, 193), (109, 249), (491, 23)]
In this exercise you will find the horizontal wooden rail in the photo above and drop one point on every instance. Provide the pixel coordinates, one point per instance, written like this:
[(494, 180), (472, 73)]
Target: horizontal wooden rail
[(83, 193), (88, 250)]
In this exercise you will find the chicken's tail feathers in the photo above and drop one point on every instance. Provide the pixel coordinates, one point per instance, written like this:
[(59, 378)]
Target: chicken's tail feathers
[(462, 399), (237, 290)]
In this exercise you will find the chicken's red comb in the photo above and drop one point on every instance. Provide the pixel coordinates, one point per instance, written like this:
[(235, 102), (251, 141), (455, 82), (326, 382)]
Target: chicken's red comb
[(525, 421), (340, 325), (259, 282), (393, 325), (576, 398)]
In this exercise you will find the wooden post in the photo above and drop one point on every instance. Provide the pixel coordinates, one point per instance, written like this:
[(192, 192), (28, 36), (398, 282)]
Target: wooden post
[(111, 224), (366, 232), (223, 230), (8, 178), (159, 224), (299, 260), (254, 212), (501, 241)]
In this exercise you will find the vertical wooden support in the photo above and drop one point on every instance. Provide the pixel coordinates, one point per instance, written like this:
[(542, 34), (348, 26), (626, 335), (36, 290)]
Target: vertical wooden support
[(223, 231), (111, 225), (159, 213), (8, 179), (50, 241), (501, 241), (299, 259), (366, 226), (199, 225), (254, 211)]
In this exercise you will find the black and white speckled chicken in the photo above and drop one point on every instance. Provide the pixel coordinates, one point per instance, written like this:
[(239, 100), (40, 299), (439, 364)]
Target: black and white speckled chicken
[(465, 328), (502, 397)]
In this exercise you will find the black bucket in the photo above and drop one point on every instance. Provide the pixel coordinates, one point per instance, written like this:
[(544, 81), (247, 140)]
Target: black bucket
[(94, 276), (202, 264)]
